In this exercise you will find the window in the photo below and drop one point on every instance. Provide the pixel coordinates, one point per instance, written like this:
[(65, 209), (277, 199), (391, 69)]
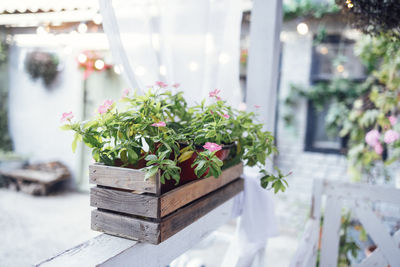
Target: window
[(332, 58)]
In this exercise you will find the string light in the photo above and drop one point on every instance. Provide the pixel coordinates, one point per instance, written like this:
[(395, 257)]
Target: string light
[(82, 28), (223, 58), (117, 69), (97, 19), (140, 71), (163, 70), (340, 68), (324, 50), (99, 64), (193, 66), (302, 28), (82, 58), (349, 4)]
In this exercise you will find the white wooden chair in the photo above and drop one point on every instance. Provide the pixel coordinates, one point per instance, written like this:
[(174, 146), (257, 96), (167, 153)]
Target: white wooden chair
[(358, 197)]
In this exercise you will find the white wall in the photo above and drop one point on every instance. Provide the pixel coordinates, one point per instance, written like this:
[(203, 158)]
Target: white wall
[(35, 112)]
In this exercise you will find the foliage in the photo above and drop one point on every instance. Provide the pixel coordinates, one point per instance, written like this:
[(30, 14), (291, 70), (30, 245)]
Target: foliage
[(5, 139), (158, 130), (339, 93), (308, 8), (374, 16), (42, 65), (376, 110)]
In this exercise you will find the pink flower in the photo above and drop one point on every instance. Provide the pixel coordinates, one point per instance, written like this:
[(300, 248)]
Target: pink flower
[(257, 106), (214, 93), (67, 116), (226, 116), (218, 98), (125, 93), (372, 137), (392, 120), (176, 85), (212, 147), (391, 136), (159, 124), (161, 84), (378, 148), (212, 112), (105, 107)]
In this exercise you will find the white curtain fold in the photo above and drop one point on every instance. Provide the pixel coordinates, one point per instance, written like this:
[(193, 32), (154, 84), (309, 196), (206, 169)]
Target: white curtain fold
[(190, 42)]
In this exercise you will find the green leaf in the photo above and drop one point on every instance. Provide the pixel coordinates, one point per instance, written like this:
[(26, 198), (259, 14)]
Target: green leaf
[(150, 157), (132, 156), (66, 127), (77, 138), (151, 172)]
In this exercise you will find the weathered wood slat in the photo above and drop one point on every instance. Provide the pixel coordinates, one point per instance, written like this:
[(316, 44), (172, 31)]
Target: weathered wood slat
[(378, 233), (185, 194), (125, 226), (331, 232), (44, 177), (124, 201), (123, 178), (142, 230), (191, 213)]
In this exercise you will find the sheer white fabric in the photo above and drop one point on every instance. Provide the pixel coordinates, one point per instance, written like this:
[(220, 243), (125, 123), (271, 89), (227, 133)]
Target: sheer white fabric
[(191, 42)]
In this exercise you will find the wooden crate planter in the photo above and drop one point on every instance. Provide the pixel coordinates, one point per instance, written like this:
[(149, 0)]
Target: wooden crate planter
[(130, 207)]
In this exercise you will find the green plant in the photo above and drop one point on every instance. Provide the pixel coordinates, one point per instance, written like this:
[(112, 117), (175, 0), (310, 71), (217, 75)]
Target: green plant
[(159, 131), (42, 65), (307, 8)]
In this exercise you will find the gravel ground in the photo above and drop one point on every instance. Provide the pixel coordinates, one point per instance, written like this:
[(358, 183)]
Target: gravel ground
[(35, 228)]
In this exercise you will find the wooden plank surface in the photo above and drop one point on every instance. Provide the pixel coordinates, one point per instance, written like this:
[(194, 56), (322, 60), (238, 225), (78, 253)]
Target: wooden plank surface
[(125, 226), (124, 178), (189, 214), (106, 250), (185, 194), (124, 201)]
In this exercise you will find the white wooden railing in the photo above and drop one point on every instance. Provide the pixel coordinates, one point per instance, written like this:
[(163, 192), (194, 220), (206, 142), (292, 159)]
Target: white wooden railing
[(358, 197), (106, 250)]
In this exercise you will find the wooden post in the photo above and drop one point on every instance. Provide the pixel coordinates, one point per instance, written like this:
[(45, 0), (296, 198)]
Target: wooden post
[(263, 63)]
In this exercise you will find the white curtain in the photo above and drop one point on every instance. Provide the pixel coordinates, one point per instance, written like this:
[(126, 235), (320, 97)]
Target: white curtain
[(191, 42)]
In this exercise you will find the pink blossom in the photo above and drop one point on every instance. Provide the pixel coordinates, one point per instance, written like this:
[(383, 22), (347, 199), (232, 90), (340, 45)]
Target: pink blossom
[(161, 84), (176, 85), (125, 93), (392, 120), (212, 147), (159, 124), (226, 116), (378, 148), (212, 112), (105, 107), (214, 93), (67, 116), (257, 106), (372, 137), (391, 136), (218, 98)]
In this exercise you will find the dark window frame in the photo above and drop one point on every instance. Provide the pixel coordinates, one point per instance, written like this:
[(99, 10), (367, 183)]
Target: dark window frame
[(311, 110)]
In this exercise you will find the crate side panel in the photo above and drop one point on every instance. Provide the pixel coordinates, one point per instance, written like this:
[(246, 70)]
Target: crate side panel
[(191, 213), (185, 194), (123, 178), (125, 226), (124, 201)]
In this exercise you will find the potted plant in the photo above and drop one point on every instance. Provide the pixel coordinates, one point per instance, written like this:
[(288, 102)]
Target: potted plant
[(159, 132)]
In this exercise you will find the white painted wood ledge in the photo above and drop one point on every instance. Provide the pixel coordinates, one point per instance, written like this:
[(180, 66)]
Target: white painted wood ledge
[(107, 250)]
